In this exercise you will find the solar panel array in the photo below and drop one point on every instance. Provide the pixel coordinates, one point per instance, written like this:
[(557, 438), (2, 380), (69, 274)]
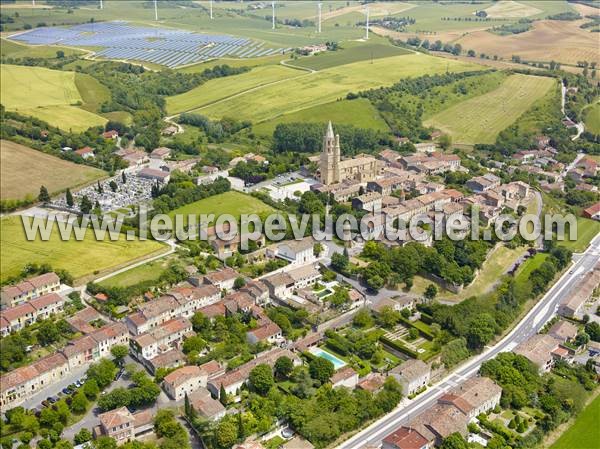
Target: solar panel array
[(172, 48)]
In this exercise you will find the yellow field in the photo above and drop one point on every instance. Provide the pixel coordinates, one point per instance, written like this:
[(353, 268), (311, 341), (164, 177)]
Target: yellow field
[(82, 259), (540, 44), (218, 89), (480, 119), (376, 9), (508, 8), (328, 85), (24, 170), (49, 95)]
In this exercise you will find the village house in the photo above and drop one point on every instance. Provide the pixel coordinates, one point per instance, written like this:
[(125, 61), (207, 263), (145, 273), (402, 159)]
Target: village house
[(406, 438), (154, 175), (592, 212), (539, 349), (425, 147), (345, 377), (396, 303), (564, 331), (85, 152), (15, 318), (168, 335), (257, 290), (173, 358), (572, 305), (483, 183), (160, 153), (268, 332), (280, 285), (12, 295), (223, 279), (152, 314), (474, 396), (370, 202), (184, 381), (413, 375), (111, 134), (122, 425), (204, 405), (389, 156), (297, 252), (305, 276)]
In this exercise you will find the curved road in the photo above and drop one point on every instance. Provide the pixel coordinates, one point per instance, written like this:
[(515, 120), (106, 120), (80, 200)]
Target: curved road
[(528, 326)]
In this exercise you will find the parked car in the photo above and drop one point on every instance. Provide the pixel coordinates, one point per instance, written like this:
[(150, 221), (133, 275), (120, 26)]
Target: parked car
[(52, 399), (45, 403), (67, 390), (78, 384)]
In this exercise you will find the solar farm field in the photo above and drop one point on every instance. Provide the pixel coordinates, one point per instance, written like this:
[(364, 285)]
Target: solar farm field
[(219, 89), (24, 170), (359, 112), (82, 259), (480, 119), (312, 89), (49, 95)]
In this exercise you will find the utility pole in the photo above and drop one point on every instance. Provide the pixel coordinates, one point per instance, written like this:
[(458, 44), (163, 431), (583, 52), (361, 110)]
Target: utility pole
[(367, 27), (273, 6), (155, 11), (211, 16), (319, 5)]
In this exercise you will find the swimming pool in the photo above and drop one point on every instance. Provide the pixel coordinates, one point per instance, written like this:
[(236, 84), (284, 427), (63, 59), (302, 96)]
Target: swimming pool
[(337, 363)]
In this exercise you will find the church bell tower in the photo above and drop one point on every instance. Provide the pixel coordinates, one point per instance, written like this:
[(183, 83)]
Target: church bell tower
[(330, 157)]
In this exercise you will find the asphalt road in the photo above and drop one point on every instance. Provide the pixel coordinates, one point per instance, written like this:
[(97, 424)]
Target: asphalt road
[(528, 326)]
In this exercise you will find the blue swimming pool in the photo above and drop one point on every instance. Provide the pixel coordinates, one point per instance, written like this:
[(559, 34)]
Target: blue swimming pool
[(337, 363)]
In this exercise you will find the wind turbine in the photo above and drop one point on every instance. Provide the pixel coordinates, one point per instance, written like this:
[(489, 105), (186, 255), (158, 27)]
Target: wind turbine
[(155, 11), (319, 6), (211, 16), (273, 6), (367, 27), (101, 5)]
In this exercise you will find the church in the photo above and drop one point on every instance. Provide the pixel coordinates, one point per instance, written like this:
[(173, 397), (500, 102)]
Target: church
[(334, 170)]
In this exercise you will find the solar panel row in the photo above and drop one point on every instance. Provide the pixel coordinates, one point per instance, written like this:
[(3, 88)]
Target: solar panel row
[(172, 48)]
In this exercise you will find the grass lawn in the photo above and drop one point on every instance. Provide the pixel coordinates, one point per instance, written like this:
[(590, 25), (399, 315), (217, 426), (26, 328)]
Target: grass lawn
[(353, 53), (80, 258), (499, 262), (586, 231), (523, 272), (592, 118), (312, 89), (480, 119), (220, 88), (234, 203), (50, 95), (359, 112), (148, 272), (583, 434), (24, 170)]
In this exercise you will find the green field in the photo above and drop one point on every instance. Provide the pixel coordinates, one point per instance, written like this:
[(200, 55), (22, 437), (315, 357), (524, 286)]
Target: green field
[(583, 433), (49, 95), (150, 271), (16, 50), (532, 263), (592, 118), (586, 231), (234, 203), (349, 54), (24, 170), (219, 89), (359, 112), (92, 92), (312, 89), (480, 119), (83, 259)]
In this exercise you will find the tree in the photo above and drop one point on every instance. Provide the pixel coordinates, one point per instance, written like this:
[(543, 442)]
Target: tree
[(223, 395), (82, 436), (454, 441), (194, 344), (431, 292), (261, 378), (593, 330), (226, 434), (321, 369), (119, 352), (91, 390), (123, 177), (44, 196), (445, 142), (388, 317), (283, 367), (413, 333), (363, 319), (69, 198), (85, 206), (79, 403), (47, 333), (239, 282), (105, 442), (60, 54), (481, 330), (103, 372), (318, 249)]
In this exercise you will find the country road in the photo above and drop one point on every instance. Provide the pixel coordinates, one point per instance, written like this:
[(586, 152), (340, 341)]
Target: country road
[(528, 326)]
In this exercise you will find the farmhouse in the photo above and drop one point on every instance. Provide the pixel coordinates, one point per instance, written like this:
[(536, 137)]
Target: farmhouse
[(85, 152)]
